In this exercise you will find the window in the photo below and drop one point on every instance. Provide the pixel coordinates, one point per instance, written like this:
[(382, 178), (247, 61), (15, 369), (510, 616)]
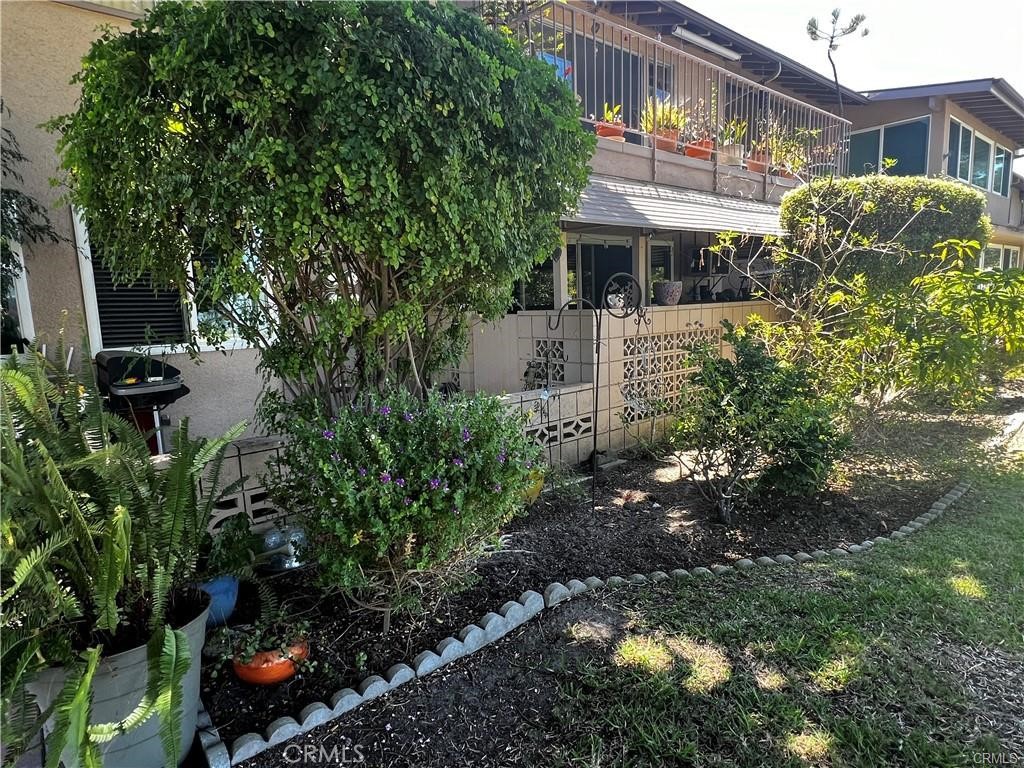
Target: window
[(978, 161), (16, 317), (537, 291), (991, 257), (661, 260), (1011, 257), (905, 142), (981, 162), (1002, 167)]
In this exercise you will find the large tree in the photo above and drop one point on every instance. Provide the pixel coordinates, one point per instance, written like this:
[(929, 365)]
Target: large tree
[(342, 181)]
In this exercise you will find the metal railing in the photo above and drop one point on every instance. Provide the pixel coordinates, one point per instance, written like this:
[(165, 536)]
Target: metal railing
[(659, 96)]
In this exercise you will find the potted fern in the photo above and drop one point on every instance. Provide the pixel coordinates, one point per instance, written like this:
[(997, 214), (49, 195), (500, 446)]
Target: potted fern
[(100, 624)]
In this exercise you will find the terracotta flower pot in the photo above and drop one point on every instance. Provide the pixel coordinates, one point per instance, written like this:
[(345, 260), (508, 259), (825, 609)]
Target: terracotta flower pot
[(758, 162), (700, 149), (667, 140), (615, 131), (269, 667)]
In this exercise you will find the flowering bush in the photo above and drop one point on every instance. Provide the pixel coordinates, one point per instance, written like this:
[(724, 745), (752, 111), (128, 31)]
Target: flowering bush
[(400, 485)]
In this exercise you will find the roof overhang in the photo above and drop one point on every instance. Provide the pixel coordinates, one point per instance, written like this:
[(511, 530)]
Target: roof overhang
[(762, 62), (614, 202), (991, 100)]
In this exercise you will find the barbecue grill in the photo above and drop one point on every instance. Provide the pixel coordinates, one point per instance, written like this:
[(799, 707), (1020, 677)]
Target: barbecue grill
[(136, 384)]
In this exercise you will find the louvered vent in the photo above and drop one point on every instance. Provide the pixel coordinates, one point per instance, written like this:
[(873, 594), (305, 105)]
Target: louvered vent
[(135, 315)]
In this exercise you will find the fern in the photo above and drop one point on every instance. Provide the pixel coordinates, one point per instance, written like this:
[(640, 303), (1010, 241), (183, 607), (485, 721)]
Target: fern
[(69, 741)]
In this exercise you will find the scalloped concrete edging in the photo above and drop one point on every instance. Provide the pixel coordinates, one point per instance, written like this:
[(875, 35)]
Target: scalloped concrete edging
[(494, 626)]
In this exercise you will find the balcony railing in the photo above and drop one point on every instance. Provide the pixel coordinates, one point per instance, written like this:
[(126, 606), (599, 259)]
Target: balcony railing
[(656, 95)]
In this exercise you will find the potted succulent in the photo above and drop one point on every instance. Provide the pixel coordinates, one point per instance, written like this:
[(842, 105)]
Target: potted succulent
[(269, 651), (664, 121), (667, 292), (611, 125), (730, 142), (701, 143), (101, 624)]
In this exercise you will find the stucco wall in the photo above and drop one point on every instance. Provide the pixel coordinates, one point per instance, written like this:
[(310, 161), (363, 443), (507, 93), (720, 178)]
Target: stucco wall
[(41, 45)]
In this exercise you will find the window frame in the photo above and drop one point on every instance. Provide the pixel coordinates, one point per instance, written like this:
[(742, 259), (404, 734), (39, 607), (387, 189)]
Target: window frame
[(1007, 170), (189, 309), (22, 300), (996, 149), (881, 139), (991, 158)]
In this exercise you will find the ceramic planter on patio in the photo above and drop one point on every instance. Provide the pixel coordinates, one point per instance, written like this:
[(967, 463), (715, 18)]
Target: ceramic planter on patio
[(731, 154), (667, 292), (270, 667), (700, 149), (223, 592), (613, 131), (667, 140), (118, 686)]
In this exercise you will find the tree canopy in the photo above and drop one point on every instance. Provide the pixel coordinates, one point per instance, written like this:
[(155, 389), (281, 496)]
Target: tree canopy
[(343, 181)]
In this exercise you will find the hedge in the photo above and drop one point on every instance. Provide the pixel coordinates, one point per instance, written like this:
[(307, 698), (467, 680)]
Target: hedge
[(955, 211)]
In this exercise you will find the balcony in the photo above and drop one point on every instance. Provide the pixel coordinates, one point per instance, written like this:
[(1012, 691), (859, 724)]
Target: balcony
[(668, 104)]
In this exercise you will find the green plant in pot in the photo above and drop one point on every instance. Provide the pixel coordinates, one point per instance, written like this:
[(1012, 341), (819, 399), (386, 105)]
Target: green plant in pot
[(270, 649), (730, 142), (663, 120), (100, 621), (701, 132), (610, 126)]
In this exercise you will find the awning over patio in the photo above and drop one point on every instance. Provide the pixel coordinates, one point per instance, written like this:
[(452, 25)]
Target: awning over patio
[(622, 203)]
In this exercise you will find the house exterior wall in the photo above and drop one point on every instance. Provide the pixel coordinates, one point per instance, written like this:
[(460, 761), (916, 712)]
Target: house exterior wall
[(41, 45)]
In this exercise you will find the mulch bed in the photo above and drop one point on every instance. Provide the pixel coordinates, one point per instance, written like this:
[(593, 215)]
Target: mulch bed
[(645, 520)]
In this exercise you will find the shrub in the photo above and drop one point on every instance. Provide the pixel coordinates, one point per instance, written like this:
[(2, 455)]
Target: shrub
[(750, 421), (916, 211), (343, 181), (399, 485)]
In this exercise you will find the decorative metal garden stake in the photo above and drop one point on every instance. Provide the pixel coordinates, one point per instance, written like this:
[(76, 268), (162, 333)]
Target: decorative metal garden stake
[(622, 297)]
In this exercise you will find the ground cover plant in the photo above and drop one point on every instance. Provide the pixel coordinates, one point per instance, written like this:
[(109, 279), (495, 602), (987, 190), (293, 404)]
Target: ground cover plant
[(909, 655)]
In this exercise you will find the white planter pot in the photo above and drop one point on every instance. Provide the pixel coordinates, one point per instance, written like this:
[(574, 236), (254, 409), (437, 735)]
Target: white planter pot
[(118, 686), (731, 154)]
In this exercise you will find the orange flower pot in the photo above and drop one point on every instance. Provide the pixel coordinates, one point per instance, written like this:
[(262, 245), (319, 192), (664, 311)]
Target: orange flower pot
[(667, 140), (700, 150), (270, 667), (758, 162), (611, 130)]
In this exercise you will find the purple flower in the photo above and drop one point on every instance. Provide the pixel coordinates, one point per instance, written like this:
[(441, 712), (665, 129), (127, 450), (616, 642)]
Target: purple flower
[(362, 471), (335, 456), (458, 462), (385, 477), (407, 416), (435, 483), (328, 434), (385, 410), (455, 510), (501, 457), (497, 488), (466, 437), (400, 482), (529, 465), (407, 501)]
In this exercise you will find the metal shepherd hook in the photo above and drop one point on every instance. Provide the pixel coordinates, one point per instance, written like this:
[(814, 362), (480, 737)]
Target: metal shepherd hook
[(622, 297)]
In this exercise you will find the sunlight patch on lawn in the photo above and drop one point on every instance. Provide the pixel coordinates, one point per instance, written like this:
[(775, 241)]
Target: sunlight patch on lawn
[(966, 585), (644, 653), (770, 679), (835, 674), (709, 666), (810, 745)]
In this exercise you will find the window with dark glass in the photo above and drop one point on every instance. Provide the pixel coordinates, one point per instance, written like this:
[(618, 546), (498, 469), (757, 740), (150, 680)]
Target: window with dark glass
[(981, 162), (907, 144), (864, 148)]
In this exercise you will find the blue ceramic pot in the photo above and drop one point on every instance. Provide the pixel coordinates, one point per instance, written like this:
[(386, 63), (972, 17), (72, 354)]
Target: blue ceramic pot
[(223, 592)]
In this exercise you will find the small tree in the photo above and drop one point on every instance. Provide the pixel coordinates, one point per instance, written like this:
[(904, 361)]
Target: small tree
[(341, 181), (832, 38)]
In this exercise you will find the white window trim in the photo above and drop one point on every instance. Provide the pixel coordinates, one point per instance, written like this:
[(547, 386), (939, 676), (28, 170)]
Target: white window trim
[(881, 139), (1009, 252), (1007, 170), (26, 324), (92, 313), (996, 147), (991, 158), (959, 147)]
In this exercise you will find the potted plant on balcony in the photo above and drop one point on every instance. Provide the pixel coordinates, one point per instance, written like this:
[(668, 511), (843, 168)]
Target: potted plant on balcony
[(701, 143), (667, 292), (663, 120), (100, 551), (611, 125), (730, 142)]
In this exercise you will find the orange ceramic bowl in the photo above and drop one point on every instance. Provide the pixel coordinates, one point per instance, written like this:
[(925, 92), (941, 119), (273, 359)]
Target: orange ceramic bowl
[(269, 667)]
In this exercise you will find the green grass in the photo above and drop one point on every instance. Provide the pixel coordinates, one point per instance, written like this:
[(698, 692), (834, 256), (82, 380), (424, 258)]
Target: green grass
[(904, 656)]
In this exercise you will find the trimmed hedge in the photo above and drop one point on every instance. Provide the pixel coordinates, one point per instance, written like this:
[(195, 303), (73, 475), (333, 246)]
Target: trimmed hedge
[(891, 202)]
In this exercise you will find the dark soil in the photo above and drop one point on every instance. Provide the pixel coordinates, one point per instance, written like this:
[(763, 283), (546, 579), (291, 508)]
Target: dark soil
[(496, 709), (644, 520)]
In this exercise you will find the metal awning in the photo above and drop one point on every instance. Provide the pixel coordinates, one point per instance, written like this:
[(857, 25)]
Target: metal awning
[(619, 202)]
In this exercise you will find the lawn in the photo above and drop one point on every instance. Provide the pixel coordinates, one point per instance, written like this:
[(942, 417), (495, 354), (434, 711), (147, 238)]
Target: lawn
[(911, 654)]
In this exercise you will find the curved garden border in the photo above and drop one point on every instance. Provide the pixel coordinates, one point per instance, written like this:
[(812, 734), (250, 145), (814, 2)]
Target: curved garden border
[(494, 626)]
